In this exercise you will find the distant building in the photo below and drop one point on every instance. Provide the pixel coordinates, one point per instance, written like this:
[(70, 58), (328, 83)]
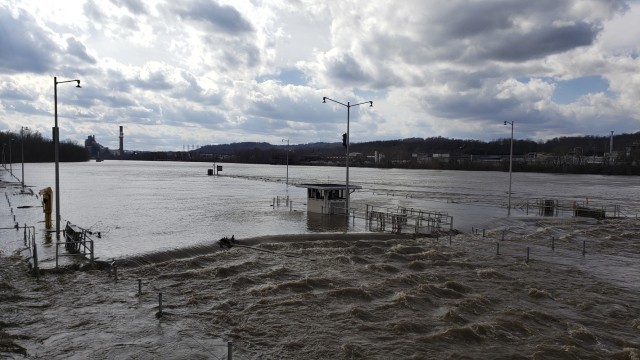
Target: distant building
[(93, 148)]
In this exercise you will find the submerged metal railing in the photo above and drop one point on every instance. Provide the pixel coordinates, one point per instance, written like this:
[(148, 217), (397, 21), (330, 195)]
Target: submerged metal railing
[(29, 243), (550, 207), (75, 247), (278, 200), (420, 221)]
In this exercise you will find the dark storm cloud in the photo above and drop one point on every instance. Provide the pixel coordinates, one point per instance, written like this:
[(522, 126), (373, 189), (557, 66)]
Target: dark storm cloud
[(493, 30), (187, 116), (473, 34), (24, 47), (546, 41), (153, 81), (346, 69), (243, 53), (469, 19), (136, 7), (93, 12), (471, 107), (19, 99), (222, 18), (195, 93), (118, 101), (9, 90), (77, 49), (25, 107)]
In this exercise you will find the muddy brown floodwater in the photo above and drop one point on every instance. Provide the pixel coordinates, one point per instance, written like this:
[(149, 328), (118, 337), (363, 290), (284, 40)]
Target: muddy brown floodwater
[(346, 296)]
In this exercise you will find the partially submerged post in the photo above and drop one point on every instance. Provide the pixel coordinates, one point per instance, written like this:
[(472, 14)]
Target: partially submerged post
[(159, 313), (47, 201)]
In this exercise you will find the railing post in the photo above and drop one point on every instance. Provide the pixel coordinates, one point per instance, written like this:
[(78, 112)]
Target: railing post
[(35, 261), (159, 305), (230, 350)]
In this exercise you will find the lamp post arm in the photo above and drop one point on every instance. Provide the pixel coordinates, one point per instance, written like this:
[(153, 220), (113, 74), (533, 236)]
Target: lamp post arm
[(330, 99), (362, 103), (346, 105), (66, 81)]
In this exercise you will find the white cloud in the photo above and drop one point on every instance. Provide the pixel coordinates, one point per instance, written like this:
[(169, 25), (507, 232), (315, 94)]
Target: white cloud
[(218, 71)]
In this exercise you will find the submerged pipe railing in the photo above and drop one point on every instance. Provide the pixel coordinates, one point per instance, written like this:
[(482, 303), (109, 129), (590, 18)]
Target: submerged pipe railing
[(82, 244), (551, 207), (400, 218), (29, 243)]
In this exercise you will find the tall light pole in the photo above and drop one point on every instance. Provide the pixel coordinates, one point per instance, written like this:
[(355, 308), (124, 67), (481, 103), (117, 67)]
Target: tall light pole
[(611, 149), (510, 167), (56, 145), (287, 140), (11, 156), (348, 105), (22, 128)]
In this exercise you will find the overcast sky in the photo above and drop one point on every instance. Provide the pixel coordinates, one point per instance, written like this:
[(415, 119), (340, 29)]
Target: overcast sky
[(194, 72)]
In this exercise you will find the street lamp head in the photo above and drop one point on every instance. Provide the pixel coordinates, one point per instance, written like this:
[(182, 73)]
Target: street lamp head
[(505, 123), (324, 99), (370, 103), (78, 86)]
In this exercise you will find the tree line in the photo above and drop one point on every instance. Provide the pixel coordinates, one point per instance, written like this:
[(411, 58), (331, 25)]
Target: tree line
[(562, 154), (37, 148)]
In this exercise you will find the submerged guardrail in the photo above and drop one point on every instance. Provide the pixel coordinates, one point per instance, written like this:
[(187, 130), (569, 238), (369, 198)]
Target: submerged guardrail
[(76, 242), (421, 221), (550, 207)]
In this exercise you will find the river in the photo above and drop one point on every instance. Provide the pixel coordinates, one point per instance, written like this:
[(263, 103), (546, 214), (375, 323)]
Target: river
[(302, 289)]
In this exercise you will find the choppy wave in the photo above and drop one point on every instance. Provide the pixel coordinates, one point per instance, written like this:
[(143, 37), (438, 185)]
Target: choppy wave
[(348, 297)]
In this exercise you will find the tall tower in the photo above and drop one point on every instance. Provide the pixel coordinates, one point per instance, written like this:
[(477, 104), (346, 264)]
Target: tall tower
[(121, 141)]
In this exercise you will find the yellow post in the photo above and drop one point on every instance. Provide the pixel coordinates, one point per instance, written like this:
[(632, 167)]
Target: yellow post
[(47, 202)]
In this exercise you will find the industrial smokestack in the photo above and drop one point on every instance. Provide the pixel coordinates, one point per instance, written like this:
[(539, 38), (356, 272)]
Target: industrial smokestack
[(121, 141)]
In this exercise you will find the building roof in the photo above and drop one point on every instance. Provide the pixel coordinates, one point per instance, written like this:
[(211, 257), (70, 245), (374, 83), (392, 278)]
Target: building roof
[(325, 186)]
